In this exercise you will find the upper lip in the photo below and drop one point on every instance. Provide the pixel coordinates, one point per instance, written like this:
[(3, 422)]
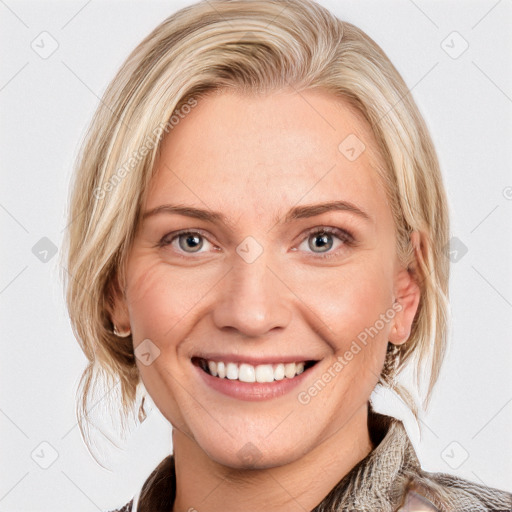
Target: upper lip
[(253, 360)]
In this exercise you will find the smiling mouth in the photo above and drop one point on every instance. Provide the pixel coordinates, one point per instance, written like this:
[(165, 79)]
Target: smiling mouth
[(244, 372)]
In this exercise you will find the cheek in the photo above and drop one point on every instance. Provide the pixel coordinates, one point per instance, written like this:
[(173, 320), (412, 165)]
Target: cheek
[(352, 303), (160, 301), (349, 300), (159, 298)]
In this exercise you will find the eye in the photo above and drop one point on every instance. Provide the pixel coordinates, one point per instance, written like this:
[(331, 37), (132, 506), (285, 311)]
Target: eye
[(189, 242), (321, 240)]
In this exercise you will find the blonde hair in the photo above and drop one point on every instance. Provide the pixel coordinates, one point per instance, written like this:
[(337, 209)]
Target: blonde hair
[(243, 45)]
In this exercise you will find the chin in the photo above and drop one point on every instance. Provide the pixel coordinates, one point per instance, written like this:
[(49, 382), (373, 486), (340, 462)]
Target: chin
[(246, 454)]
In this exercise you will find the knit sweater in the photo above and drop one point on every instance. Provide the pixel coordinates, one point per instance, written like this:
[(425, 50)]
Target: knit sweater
[(388, 479)]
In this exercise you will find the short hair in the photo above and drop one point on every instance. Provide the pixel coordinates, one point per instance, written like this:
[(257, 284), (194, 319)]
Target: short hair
[(247, 46)]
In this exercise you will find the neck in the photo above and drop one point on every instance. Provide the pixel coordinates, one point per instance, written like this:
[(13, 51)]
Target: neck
[(202, 485)]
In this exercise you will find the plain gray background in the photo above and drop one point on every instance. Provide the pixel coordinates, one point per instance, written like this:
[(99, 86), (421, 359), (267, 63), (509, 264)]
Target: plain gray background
[(465, 95)]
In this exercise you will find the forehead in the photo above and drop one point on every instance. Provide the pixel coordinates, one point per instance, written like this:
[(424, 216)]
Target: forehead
[(259, 155)]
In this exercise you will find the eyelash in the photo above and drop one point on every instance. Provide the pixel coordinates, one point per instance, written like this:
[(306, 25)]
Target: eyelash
[(343, 235)]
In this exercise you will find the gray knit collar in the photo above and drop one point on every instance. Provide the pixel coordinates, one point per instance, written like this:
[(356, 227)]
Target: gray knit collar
[(380, 480)]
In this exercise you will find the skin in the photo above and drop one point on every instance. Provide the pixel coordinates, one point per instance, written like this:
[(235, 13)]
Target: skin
[(252, 158)]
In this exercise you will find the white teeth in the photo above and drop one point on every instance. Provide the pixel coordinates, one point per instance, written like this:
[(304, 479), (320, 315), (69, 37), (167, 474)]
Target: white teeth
[(289, 370), (260, 373), (232, 371), (279, 372), (212, 366), (221, 369), (264, 373), (246, 373)]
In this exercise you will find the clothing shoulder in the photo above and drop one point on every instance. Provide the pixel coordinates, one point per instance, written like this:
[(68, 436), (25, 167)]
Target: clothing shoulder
[(449, 492)]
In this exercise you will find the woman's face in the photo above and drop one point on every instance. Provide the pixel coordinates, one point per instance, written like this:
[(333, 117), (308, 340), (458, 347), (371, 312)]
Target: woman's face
[(252, 181)]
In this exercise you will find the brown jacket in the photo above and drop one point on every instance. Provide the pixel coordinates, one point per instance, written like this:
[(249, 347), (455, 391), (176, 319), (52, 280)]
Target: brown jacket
[(388, 479)]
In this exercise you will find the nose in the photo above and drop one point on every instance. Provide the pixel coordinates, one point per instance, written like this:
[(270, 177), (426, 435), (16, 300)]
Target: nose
[(253, 300)]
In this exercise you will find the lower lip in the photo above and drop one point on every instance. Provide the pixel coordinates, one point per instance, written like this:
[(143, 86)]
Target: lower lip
[(252, 391)]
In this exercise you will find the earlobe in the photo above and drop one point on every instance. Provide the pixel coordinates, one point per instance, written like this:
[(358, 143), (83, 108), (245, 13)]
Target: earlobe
[(399, 334), (408, 298)]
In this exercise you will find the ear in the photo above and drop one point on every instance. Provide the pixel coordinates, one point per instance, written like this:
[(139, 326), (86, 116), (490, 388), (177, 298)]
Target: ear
[(407, 296), (116, 306)]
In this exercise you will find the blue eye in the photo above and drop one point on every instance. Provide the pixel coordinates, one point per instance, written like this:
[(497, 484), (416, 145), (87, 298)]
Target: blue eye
[(190, 242), (320, 241), (324, 240)]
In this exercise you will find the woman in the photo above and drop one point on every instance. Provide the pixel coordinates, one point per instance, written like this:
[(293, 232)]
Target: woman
[(258, 236)]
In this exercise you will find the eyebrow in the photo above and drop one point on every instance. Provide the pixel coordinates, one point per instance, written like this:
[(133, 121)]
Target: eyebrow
[(295, 213)]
